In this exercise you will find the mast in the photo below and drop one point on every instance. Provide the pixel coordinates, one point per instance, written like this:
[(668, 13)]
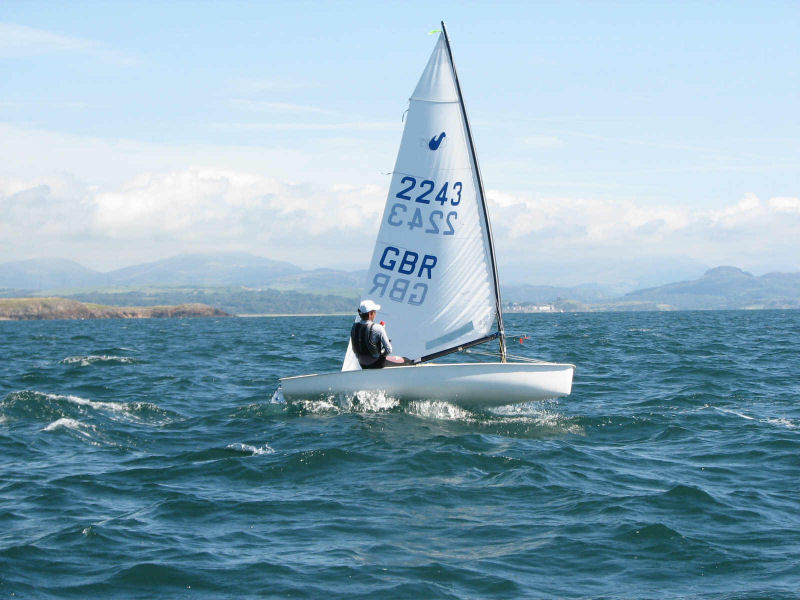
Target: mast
[(501, 330)]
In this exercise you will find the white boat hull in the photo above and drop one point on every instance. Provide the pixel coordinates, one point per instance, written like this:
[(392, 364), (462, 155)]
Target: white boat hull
[(470, 385)]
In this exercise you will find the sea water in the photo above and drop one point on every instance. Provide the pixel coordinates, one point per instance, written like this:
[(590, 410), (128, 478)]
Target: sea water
[(151, 459)]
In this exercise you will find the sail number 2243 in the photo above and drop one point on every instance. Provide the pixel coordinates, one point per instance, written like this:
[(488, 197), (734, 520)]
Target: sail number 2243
[(435, 222), (426, 186)]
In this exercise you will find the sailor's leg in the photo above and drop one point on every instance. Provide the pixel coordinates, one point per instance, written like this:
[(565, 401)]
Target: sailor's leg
[(397, 361), (378, 364)]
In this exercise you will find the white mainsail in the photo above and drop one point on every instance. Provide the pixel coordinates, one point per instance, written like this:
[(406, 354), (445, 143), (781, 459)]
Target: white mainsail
[(432, 269)]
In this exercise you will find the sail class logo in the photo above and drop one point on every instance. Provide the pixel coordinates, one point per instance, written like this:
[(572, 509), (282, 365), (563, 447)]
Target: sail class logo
[(436, 141)]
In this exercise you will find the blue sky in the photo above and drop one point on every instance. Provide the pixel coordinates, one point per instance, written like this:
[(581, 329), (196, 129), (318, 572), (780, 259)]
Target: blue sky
[(615, 139)]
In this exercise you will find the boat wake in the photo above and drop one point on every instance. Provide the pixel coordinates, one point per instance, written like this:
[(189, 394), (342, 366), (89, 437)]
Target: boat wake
[(359, 402), (533, 419), (439, 410), (530, 419)]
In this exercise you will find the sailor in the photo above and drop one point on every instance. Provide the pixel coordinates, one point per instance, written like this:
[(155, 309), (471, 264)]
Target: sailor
[(370, 342)]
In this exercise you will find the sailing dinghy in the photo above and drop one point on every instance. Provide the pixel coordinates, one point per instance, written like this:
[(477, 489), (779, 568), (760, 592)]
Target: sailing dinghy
[(433, 269)]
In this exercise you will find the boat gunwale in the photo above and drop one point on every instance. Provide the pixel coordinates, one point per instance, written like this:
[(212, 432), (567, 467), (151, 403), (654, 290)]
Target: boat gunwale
[(504, 365)]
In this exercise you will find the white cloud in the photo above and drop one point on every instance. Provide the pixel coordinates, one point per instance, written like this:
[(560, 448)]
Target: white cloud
[(745, 211), (16, 40), (109, 203), (788, 205), (19, 41), (587, 232), (157, 214), (227, 206), (583, 219), (192, 210)]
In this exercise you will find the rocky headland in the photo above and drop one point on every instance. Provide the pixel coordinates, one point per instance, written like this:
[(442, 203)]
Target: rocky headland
[(32, 309)]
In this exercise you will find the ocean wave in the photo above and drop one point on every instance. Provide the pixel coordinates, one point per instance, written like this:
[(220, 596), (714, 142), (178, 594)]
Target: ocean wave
[(544, 414), (776, 421), (90, 359), (249, 449), (66, 423), (652, 533), (783, 422), (45, 405), (82, 430), (679, 470)]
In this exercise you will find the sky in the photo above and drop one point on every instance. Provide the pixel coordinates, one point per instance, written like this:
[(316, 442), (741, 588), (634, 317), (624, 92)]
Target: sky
[(620, 143)]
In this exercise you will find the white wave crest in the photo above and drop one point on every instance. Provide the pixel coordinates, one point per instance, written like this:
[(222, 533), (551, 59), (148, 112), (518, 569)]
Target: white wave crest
[(526, 409), (541, 414), (556, 421), (728, 411), (85, 361), (128, 410), (777, 421), (110, 406), (71, 424), (63, 422), (437, 409), (325, 405), (254, 450)]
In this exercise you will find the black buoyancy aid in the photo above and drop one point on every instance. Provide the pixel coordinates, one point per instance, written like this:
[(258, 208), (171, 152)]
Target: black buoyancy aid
[(361, 336)]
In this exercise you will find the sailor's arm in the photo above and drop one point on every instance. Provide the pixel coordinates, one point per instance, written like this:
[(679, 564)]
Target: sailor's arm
[(384, 339)]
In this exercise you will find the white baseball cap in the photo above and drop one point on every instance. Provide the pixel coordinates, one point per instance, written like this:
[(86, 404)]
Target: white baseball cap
[(368, 306)]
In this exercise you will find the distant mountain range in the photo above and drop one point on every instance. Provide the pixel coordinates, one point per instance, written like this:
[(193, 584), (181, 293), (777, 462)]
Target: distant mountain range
[(725, 287), (203, 270), (240, 282), (720, 288), (206, 270)]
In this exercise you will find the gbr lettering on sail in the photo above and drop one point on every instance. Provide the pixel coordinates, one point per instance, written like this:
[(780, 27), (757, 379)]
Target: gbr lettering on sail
[(397, 287)]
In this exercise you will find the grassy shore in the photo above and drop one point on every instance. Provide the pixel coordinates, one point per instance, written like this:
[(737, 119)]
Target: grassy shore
[(34, 309)]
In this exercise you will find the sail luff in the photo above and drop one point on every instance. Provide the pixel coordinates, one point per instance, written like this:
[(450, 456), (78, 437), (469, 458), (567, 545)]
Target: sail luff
[(474, 156)]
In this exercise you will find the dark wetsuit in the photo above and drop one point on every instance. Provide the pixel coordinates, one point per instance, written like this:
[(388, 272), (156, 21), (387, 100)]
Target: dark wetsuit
[(370, 344)]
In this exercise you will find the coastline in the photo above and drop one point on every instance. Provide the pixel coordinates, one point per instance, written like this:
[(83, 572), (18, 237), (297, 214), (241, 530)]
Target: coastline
[(49, 309), (248, 316)]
